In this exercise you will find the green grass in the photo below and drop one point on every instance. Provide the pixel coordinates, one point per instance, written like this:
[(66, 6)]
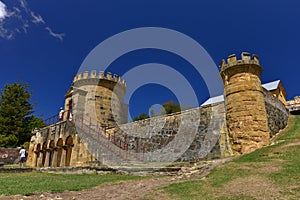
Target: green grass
[(285, 158), (34, 182)]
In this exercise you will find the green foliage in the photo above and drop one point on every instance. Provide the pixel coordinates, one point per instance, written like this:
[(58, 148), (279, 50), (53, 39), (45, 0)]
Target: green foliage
[(29, 183), (36, 122), (15, 111), (170, 107), (26, 145), (140, 117), (166, 108)]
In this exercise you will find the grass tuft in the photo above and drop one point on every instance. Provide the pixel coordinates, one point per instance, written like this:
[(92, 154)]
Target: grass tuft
[(35, 182)]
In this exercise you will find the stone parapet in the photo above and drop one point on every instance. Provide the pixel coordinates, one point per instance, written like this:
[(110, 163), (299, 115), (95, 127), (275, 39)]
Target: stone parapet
[(246, 60), (101, 75)]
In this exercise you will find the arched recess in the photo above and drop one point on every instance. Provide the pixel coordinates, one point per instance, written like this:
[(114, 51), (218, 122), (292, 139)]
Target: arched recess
[(44, 153), (37, 152), (59, 145), (69, 145), (51, 147)]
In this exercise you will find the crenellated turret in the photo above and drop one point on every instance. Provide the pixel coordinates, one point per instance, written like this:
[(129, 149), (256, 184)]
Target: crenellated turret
[(101, 75), (246, 60), (246, 116), (99, 96)]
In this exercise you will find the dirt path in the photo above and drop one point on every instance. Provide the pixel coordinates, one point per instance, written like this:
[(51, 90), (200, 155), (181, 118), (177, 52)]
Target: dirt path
[(138, 189)]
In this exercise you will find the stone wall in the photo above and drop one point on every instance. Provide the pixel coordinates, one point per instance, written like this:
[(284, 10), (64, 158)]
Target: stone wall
[(186, 136), (58, 145), (246, 120), (196, 134), (9, 156), (277, 114)]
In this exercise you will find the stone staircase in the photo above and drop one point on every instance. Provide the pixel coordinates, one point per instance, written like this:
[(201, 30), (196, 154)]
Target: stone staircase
[(105, 150)]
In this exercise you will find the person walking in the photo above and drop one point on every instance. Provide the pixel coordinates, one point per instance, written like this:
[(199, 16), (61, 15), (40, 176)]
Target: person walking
[(22, 154), (61, 114)]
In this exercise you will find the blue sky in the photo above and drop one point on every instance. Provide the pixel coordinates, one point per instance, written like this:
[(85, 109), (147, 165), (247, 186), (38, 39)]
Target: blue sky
[(45, 42)]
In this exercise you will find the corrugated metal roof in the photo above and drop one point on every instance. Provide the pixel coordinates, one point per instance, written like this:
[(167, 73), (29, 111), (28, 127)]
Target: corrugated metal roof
[(272, 85), (217, 99), (213, 100)]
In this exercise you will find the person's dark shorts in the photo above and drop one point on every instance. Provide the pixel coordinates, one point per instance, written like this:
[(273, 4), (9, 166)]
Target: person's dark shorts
[(22, 160)]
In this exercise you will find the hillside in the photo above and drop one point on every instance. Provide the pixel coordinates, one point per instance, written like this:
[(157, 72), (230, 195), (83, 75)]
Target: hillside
[(272, 172)]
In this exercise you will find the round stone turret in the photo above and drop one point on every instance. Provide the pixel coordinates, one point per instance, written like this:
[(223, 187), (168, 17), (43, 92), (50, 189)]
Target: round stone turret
[(246, 116), (98, 97)]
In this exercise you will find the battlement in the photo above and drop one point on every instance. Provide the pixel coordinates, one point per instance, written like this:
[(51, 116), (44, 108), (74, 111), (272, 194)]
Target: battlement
[(101, 75), (246, 58)]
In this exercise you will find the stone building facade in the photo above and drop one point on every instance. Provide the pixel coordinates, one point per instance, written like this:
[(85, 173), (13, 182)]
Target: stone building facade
[(97, 96), (58, 145), (243, 121), (294, 105)]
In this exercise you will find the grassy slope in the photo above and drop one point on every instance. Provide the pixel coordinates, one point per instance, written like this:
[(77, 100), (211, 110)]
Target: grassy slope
[(28, 183), (272, 172)]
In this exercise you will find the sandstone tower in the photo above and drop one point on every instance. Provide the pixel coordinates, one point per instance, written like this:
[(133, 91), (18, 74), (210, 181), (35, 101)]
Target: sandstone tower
[(246, 117), (97, 99)]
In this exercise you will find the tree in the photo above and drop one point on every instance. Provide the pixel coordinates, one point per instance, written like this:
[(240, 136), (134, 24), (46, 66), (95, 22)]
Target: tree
[(170, 107), (140, 117), (36, 122), (15, 114)]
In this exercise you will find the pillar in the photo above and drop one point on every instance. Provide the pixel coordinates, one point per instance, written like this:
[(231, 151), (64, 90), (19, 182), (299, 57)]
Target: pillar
[(54, 158), (40, 159), (47, 158), (63, 158)]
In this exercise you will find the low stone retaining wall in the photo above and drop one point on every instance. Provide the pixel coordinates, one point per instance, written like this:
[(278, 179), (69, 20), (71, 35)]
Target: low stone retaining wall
[(9, 156), (15, 170)]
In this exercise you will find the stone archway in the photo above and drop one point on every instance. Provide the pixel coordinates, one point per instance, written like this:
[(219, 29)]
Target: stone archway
[(44, 150), (51, 152), (59, 146), (68, 147)]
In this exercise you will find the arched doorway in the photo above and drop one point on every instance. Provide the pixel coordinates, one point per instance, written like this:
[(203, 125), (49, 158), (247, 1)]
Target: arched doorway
[(44, 153), (59, 145), (51, 147), (69, 145)]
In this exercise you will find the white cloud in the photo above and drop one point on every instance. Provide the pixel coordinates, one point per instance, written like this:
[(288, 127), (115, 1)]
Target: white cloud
[(19, 13), (59, 36), (37, 18), (3, 12)]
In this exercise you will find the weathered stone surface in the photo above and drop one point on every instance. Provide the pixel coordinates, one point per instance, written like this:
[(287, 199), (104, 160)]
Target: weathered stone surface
[(252, 115), (58, 145), (97, 100), (246, 116), (9, 156), (276, 112)]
